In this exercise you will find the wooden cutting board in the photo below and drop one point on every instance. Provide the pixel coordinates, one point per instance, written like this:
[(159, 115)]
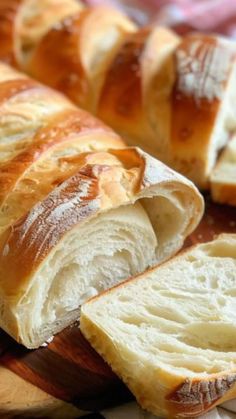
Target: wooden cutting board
[(68, 370)]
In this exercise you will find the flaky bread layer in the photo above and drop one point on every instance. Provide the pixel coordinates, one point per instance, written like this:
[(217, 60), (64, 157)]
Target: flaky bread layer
[(170, 332)]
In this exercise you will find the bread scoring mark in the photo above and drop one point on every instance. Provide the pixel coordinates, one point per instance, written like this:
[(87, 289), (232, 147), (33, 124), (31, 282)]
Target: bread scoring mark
[(203, 66), (126, 67), (65, 71), (60, 130), (32, 237), (196, 397), (67, 205)]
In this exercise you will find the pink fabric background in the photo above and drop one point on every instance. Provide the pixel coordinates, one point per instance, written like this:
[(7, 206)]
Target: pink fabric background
[(183, 15)]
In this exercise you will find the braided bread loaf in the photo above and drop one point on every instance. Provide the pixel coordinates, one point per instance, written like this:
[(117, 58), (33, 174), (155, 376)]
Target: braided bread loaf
[(173, 97), (79, 211)]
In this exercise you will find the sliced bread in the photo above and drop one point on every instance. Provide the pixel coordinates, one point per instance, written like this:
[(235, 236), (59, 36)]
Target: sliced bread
[(170, 333)]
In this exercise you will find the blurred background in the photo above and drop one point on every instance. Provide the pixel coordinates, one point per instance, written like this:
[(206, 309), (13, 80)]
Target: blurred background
[(182, 15)]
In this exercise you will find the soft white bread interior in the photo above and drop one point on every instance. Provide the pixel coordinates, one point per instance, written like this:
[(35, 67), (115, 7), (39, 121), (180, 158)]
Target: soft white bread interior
[(91, 258), (223, 177), (170, 333)]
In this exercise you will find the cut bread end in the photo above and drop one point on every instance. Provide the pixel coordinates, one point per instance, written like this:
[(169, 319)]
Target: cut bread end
[(170, 332)]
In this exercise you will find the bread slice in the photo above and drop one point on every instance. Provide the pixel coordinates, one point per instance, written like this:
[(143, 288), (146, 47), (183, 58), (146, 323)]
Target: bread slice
[(170, 333), (223, 177)]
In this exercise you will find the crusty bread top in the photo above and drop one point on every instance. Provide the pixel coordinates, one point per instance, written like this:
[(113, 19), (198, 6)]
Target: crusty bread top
[(25, 22), (135, 98), (78, 67), (173, 97)]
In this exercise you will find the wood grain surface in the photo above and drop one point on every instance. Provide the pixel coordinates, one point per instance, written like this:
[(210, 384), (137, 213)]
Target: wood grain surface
[(68, 369)]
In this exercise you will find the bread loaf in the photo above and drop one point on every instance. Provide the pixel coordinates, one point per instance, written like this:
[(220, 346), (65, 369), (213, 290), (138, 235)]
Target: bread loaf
[(170, 332), (173, 97), (79, 211)]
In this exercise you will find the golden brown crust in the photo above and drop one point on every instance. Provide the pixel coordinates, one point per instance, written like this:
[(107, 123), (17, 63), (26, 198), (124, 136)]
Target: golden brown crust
[(191, 113), (67, 68), (194, 398), (8, 15), (121, 98), (197, 96), (135, 98), (32, 237), (61, 67), (64, 126), (40, 139), (22, 25)]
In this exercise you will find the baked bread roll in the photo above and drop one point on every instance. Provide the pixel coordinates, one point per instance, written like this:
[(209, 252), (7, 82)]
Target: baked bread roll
[(173, 97), (170, 332), (223, 177), (79, 212)]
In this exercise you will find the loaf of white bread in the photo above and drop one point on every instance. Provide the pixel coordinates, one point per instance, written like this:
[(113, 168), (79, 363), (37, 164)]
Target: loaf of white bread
[(223, 177), (79, 211), (170, 333), (172, 96)]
